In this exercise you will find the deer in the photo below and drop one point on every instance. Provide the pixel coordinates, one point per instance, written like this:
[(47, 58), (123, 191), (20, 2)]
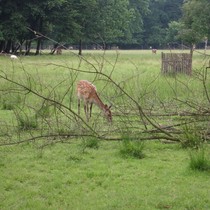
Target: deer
[(58, 51), (154, 51), (87, 92)]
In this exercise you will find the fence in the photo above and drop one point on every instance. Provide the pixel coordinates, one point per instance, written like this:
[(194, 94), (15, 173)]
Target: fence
[(173, 63)]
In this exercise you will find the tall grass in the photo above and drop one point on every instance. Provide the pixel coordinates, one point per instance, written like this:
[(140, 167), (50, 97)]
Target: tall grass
[(60, 176), (132, 148), (135, 72), (199, 160)]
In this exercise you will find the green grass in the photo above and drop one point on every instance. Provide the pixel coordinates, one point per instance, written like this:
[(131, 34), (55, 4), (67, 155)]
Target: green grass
[(88, 173), (63, 178), (199, 160)]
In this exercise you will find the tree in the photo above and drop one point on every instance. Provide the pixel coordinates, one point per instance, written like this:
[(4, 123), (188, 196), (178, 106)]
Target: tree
[(40, 16), (195, 20), (162, 12), (172, 32), (12, 24), (64, 23), (103, 21), (134, 34)]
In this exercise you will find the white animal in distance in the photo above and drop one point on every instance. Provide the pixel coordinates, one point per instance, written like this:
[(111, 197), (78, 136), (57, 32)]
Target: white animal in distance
[(13, 57)]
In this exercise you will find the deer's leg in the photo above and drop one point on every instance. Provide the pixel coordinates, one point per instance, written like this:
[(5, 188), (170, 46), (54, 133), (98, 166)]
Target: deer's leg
[(78, 106), (86, 110), (87, 114), (91, 105)]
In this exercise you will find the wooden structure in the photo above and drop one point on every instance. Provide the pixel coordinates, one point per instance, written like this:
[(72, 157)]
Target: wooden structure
[(173, 63)]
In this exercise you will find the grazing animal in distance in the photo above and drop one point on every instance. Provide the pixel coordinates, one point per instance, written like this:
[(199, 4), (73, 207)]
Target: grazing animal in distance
[(58, 51), (87, 92), (13, 57), (154, 51)]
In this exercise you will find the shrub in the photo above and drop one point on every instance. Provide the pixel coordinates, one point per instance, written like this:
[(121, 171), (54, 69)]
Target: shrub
[(199, 161), (10, 102), (191, 138), (132, 148), (26, 122), (44, 111), (90, 142)]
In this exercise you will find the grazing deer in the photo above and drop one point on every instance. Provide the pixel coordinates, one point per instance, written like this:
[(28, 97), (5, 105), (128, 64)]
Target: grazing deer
[(86, 91), (58, 51), (154, 51)]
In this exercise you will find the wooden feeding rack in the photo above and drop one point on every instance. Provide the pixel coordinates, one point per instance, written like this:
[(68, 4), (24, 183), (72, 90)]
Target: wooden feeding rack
[(173, 63)]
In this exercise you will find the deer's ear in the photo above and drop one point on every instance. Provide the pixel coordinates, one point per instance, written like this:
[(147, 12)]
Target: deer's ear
[(110, 106)]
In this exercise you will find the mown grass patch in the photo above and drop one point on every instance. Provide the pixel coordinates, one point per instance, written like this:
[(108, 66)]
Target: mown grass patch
[(100, 179)]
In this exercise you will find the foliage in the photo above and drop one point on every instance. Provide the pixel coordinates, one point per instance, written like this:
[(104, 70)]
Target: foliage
[(125, 22), (199, 160), (26, 122), (44, 111), (196, 23), (105, 20), (90, 142), (132, 148), (156, 23), (66, 21), (134, 32), (191, 137), (10, 100), (172, 32)]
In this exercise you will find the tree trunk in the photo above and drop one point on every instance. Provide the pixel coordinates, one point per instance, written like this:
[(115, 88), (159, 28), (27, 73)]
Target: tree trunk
[(13, 48), (2, 46), (38, 46), (54, 48), (80, 47), (40, 38), (8, 46), (28, 47)]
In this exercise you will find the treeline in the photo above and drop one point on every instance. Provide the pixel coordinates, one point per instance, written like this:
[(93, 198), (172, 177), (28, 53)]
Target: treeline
[(125, 23)]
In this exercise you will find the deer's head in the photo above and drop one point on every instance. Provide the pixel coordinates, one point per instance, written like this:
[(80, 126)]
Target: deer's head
[(107, 112)]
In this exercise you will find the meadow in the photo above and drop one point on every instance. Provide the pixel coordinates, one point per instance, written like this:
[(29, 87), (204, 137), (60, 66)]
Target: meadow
[(154, 155)]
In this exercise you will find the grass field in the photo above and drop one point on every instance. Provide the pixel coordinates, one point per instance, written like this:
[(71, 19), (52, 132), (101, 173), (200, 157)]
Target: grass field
[(43, 167)]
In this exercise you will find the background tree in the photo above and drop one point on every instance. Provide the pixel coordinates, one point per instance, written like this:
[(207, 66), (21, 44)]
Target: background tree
[(195, 20), (128, 23), (162, 12), (64, 25), (103, 21), (172, 32), (41, 15), (133, 35), (12, 24)]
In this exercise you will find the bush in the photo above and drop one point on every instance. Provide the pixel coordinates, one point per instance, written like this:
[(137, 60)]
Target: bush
[(191, 138), (44, 111), (26, 122), (90, 142), (198, 160), (131, 148), (10, 102)]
